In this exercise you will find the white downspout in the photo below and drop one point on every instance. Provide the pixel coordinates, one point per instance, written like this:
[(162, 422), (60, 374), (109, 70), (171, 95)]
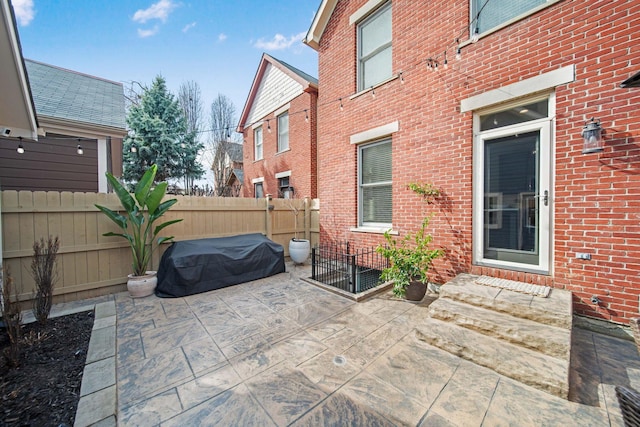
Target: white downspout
[(102, 165)]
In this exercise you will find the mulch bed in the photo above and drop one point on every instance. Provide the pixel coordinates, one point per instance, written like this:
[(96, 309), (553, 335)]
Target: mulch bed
[(44, 389)]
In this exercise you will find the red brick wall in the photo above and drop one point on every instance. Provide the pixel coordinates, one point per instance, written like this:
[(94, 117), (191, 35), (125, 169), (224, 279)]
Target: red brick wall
[(300, 159), (596, 197)]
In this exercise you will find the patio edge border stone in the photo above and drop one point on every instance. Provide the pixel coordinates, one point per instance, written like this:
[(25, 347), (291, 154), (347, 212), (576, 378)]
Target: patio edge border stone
[(97, 405)]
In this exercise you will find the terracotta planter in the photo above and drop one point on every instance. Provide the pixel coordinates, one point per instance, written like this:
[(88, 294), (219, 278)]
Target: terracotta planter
[(415, 291), (142, 286), (299, 250)]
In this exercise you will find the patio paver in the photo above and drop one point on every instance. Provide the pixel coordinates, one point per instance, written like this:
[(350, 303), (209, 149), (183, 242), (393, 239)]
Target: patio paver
[(280, 351)]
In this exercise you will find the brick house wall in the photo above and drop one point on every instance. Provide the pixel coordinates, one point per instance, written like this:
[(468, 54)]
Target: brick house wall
[(595, 198), (299, 159), (278, 88)]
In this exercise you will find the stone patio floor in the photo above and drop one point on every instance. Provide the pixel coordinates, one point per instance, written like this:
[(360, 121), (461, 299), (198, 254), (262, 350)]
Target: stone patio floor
[(280, 351)]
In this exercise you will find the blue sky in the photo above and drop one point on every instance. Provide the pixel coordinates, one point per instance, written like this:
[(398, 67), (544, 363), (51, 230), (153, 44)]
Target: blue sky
[(217, 43)]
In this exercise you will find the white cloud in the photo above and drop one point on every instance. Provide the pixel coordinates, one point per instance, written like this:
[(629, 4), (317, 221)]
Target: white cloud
[(188, 27), (24, 11), (222, 37), (279, 42), (148, 33), (160, 10)]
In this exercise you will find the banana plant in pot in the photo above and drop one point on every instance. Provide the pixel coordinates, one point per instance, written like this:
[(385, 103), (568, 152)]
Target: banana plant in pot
[(410, 257), (142, 209)]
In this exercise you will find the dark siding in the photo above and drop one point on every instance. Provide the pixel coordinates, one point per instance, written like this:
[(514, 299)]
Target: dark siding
[(51, 164)]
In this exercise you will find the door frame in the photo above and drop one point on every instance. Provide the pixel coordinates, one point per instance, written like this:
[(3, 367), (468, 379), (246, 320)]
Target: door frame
[(546, 157)]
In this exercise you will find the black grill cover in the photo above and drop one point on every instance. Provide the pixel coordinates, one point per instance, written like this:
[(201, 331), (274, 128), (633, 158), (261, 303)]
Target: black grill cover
[(194, 266)]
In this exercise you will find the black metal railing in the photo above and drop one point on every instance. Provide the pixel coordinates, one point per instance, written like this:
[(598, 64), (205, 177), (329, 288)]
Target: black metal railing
[(341, 266)]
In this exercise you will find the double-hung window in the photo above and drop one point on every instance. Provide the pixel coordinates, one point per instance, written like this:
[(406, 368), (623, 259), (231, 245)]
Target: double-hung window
[(374, 48), (284, 187), (374, 184), (257, 143), (258, 189), (283, 132), (488, 14)]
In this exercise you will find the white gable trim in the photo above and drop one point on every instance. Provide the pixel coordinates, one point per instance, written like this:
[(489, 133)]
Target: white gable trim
[(519, 89), (275, 90)]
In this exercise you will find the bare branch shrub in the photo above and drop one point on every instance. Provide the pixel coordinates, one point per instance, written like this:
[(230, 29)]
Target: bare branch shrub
[(45, 274), (12, 318)]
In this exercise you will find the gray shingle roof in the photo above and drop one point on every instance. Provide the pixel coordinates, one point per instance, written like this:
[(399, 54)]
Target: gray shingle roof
[(235, 152), (299, 72), (70, 95)]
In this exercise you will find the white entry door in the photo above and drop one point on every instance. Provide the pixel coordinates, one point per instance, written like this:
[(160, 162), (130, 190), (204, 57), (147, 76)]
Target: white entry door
[(512, 188)]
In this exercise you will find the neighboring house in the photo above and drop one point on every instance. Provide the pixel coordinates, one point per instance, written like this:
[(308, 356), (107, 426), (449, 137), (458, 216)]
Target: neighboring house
[(278, 124), (81, 123), (233, 171), (487, 101)]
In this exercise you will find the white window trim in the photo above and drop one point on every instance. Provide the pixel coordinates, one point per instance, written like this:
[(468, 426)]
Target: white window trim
[(257, 180), (542, 82), (286, 111), (549, 122), (281, 110), (371, 227), (255, 144), (374, 87), (283, 174), (511, 21), (379, 5), (375, 133)]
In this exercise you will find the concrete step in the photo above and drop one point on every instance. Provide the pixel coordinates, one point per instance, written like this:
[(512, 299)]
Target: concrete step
[(550, 340), (555, 310), (544, 372)]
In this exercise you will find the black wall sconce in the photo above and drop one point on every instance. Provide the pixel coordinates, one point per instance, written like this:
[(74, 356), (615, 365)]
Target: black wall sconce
[(592, 137)]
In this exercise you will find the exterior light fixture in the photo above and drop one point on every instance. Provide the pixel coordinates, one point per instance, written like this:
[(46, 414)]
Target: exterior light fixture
[(20, 149), (592, 137), (476, 35), (79, 150)]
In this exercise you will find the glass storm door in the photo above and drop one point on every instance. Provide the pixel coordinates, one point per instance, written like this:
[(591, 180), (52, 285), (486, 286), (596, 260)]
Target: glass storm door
[(512, 198)]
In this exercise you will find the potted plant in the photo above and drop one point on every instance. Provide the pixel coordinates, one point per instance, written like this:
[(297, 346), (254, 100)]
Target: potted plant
[(410, 257), (142, 211), (299, 249)]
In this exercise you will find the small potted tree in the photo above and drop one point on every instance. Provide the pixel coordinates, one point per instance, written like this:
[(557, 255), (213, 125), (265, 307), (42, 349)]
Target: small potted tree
[(299, 249), (410, 257), (142, 211)]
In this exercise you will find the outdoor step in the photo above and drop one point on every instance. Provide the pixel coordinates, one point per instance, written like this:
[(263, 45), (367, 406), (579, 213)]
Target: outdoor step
[(547, 339), (544, 372), (555, 310)]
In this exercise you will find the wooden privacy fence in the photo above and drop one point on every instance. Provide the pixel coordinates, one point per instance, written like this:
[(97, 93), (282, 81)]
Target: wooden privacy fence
[(90, 264)]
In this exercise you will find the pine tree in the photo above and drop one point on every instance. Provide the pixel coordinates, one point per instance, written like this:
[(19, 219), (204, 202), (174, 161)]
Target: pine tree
[(158, 135)]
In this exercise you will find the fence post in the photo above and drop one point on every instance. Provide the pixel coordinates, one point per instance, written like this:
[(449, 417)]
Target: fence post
[(352, 270), (307, 218), (268, 217)]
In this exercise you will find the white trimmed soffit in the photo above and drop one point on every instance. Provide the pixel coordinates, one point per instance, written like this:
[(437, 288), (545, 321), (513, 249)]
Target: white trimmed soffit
[(283, 174), (375, 133), (319, 23), (519, 89), (257, 180), (365, 10)]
